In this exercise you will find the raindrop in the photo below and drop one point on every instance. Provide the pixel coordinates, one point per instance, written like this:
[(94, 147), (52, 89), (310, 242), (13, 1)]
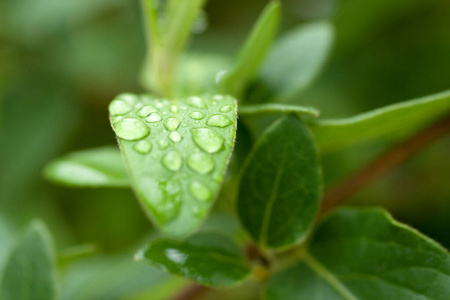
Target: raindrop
[(153, 117), (200, 162), (200, 191), (219, 121), (196, 102), (146, 110), (131, 129), (207, 139), (175, 136), (172, 124), (163, 144), (174, 109), (226, 108), (196, 115), (172, 160), (143, 147), (119, 107)]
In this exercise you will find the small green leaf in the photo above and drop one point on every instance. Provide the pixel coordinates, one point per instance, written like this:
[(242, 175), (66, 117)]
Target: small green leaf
[(30, 271), (277, 108), (100, 167), (176, 153), (207, 258), (295, 60), (253, 51), (279, 193), (365, 254), (390, 122)]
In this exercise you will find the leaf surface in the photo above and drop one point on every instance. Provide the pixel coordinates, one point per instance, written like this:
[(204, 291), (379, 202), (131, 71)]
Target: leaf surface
[(99, 167), (277, 108), (365, 254), (176, 153), (279, 193), (30, 270), (210, 259), (390, 122)]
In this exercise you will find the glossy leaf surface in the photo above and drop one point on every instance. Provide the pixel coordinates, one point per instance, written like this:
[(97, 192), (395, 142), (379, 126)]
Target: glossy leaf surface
[(208, 258), (365, 254), (277, 108), (100, 167), (388, 122), (30, 270), (176, 153), (279, 193)]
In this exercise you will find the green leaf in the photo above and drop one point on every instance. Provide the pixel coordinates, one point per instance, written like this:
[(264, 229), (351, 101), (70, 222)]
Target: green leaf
[(295, 60), (30, 271), (254, 50), (279, 192), (176, 153), (390, 122), (100, 167), (365, 254), (210, 259), (277, 108)]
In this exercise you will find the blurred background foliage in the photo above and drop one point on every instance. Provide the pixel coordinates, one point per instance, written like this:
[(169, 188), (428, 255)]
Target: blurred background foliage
[(61, 62)]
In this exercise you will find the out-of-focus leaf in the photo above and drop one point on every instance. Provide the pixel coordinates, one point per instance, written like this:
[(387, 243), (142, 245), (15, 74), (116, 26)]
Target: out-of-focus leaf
[(176, 153), (253, 51), (276, 108), (295, 60), (365, 254), (210, 259), (100, 167), (7, 232), (279, 193), (30, 270), (390, 122)]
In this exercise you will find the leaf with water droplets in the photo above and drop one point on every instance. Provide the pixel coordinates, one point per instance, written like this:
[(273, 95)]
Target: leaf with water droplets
[(210, 259), (279, 193), (365, 254), (99, 167), (176, 153)]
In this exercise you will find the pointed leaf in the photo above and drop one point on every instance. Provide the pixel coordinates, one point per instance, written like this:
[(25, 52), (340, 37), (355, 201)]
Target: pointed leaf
[(280, 187), (30, 271), (277, 108), (253, 51), (176, 153), (100, 167), (365, 254), (295, 60), (390, 122), (210, 259)]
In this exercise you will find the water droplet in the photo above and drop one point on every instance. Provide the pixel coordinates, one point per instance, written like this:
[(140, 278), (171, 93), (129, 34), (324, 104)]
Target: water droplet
[(200, 162), (175, 136), (159, 104), (184, 107), (153, 117), (200, 212), (129, 98), (172, 124), (197, 115), (146, 110), (163, 144), (196, 102), (172, 160), (207, 139), (219, 121), (200, 191), (143, 147), (176, 256), (116, 119), (131, 129), (226, 108), (119, 107), (214, 103), (173, 109), (218, 97)]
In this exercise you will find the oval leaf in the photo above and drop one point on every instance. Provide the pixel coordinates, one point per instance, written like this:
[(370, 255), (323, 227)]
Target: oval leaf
[(365, 254), (280, 187), (176, 153), (30, 271), (388, 122), (207, 258), (100, 167)]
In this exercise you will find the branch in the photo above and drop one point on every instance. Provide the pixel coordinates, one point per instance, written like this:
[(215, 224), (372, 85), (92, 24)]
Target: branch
[(384, 164)]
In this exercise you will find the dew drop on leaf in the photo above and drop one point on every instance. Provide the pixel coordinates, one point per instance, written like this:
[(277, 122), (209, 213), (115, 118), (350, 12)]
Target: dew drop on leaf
[(163, 144), (143, 147), (200, 162), (226, 108), (200, 191), (172, 160), (146, 110), (207, 139), (131, 129), (196, 102), (172, 124), (175, 136), (219, 121), (153, 117), (174, 109), (119, 107), (197, 115)]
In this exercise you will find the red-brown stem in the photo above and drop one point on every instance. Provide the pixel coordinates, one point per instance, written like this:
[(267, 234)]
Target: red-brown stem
[(383, 164)]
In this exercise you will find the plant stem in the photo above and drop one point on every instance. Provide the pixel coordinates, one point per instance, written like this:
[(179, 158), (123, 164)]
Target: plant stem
[(383, 164)]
